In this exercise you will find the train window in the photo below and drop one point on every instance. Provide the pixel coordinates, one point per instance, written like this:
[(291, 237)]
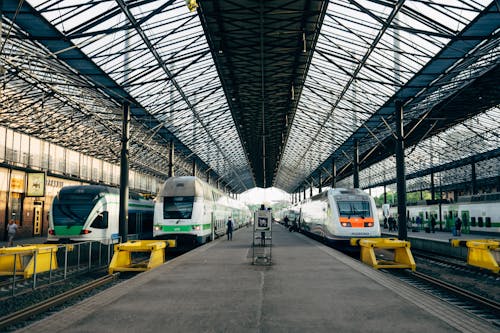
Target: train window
[(488, 222), (72, 209), (473, 221), (480, 221), (101, 221), (354, 208), (178, 207)]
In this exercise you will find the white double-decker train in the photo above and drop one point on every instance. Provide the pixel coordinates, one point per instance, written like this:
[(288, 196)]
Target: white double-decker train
[(191, 211), (336, 215)]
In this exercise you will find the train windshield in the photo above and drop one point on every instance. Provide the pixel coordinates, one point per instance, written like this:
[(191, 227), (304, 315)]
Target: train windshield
[(177, 207), (354, 208), (72, 209)]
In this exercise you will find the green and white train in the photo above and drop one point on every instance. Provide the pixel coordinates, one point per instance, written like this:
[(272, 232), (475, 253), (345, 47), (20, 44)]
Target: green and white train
[(192, 212), (480, 213), (91, 213)]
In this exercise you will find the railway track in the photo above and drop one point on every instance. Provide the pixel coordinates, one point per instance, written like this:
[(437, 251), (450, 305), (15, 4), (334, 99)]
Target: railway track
[(26, 313), (452, 263), (17, 286), (477, 305)]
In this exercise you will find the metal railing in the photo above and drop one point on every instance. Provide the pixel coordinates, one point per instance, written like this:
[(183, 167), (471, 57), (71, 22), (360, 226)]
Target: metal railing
[(71, 259)]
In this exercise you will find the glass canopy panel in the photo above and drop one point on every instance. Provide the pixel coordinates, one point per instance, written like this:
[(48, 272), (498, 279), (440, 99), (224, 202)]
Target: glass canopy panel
[(472, 137), (167, 69), (366, 51)]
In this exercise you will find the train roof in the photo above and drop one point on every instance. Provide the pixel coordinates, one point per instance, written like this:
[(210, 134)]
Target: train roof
[(96, 189), (341, 190)]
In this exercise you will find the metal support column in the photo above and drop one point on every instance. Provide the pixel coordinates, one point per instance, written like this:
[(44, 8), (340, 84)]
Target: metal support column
[(334, 173), (400, 173), (311, 188), (123, 214), (319, 181), (194, 167), (355, 164), (433, 190), (171, 159), (385, 194)]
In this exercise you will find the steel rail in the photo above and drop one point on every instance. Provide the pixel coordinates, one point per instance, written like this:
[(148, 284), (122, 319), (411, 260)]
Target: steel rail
[(488, 303)]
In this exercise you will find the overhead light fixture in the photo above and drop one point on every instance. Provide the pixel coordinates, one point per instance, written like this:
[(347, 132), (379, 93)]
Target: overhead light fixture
[(293, 93), (304, 49), (191, 4)]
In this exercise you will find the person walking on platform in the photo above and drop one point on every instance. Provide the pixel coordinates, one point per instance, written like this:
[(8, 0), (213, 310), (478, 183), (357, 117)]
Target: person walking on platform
[(11, 232), (433, 224), (230, 227), (286, 220), (418, 220), (392, 223), (458, 226)]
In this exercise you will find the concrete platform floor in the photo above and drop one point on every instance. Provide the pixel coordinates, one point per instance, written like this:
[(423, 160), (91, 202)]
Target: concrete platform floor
[(215, 288)]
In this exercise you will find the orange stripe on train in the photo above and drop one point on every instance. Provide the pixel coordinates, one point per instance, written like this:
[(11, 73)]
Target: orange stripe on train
[(356, 222)]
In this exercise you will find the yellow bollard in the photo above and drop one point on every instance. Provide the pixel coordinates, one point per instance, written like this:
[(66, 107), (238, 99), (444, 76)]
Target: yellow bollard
[(481, 252), (21, 259), (402, 254), (122, 259)]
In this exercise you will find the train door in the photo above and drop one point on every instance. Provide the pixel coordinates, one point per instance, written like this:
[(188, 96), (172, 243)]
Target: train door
[(465, 221), (450, 219), (37, 218)]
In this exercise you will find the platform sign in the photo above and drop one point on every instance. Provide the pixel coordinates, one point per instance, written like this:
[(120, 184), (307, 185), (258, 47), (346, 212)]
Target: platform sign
[(263, 220), (35, 184)]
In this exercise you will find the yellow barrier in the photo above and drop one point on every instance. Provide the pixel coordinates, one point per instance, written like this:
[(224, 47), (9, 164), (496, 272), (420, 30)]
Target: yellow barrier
[(402, 254), (122, 259), (25, 260), (480, 252)]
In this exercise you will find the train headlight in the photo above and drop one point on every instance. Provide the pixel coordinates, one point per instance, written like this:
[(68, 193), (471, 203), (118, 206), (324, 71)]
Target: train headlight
[(368, 224), (196, 227), (85, 231), (52, 232), (345, 224), (157, 228)]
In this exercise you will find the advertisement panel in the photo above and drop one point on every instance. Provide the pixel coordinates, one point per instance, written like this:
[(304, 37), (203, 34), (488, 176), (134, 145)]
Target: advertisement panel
[(35, 186)]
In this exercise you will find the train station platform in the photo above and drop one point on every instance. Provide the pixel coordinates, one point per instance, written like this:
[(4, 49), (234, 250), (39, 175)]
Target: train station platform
[(215, 288)]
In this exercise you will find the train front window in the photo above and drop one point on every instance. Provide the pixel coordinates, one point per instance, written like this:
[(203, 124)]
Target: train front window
[(354, 208), (72, 210), (177, 207)]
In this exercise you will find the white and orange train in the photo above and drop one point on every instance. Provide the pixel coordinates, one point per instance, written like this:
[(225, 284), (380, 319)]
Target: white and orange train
[(337, 215)]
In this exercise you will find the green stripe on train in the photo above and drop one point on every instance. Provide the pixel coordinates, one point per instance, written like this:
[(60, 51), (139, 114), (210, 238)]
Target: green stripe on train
[(67, 231), (185, 228)]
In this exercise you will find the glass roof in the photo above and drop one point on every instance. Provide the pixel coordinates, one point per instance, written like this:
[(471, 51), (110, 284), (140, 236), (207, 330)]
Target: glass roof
[(168, 70), (367, 51), (157, 54), (473, 137)]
